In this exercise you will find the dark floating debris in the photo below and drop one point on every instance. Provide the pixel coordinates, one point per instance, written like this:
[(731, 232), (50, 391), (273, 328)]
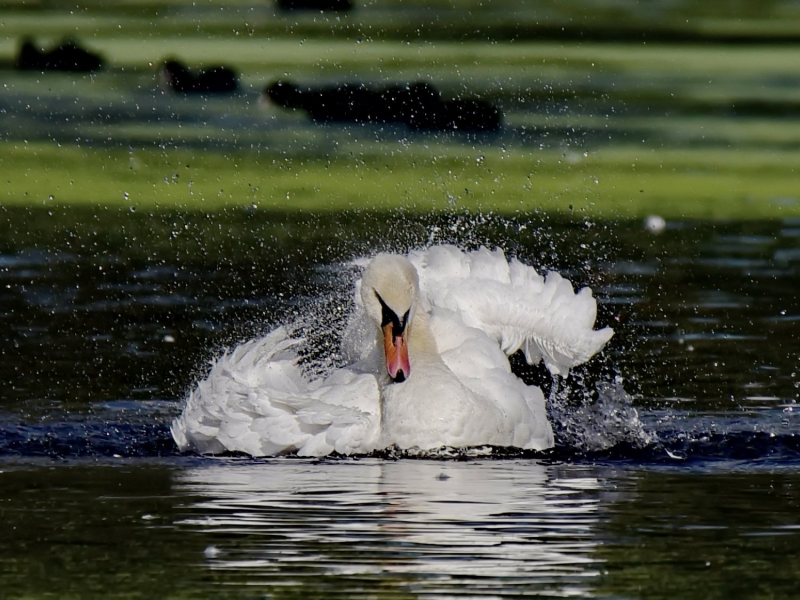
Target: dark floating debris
[(321, 5), (215, 80), (67, 57), (417, 105)]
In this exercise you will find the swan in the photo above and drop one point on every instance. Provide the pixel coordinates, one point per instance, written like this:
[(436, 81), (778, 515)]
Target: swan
[(426, 351)]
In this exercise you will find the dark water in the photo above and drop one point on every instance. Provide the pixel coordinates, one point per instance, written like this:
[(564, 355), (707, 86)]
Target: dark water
[(676, 472)]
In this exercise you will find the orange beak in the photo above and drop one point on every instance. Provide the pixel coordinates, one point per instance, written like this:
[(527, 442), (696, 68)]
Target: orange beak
[(396, 354)]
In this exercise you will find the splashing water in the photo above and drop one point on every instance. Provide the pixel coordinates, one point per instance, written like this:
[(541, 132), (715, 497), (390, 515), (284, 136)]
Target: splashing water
[(601, 418), (587, 416), (684, 302)]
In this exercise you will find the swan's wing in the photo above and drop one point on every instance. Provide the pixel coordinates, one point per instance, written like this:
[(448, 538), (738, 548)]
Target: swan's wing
[(256, 400), (513, 304)]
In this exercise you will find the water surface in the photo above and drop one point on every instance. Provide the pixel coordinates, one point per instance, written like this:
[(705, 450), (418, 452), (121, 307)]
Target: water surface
[(675, 472)]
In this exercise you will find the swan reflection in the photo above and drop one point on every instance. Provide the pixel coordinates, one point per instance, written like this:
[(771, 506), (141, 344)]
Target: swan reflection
[(430, 525)]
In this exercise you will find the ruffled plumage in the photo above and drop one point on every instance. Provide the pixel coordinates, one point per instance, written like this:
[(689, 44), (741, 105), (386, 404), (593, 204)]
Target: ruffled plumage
[(257, 400), (470, 310)]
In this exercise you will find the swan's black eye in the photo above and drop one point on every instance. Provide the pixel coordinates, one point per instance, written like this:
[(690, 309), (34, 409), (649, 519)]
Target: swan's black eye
[(388, 316)]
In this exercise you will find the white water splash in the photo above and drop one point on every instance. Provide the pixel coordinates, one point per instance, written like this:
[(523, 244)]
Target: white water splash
[(594, 425)]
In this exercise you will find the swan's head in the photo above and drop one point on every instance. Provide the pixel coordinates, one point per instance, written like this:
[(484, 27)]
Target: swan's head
[(389, 290)]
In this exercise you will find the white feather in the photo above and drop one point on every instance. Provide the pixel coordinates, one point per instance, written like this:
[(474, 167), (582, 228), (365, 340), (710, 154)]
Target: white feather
[(256, 400), (470, 310), (513, 304)]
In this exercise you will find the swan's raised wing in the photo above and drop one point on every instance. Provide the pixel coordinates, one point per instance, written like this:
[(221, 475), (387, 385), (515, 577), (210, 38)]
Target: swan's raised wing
[(256, 400), (513, 304)]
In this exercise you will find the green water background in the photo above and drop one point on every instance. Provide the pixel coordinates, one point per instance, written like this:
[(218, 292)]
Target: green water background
[(683, 109)]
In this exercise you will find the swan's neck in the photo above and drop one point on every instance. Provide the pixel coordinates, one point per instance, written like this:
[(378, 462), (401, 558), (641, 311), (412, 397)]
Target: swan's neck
[(421, 344)]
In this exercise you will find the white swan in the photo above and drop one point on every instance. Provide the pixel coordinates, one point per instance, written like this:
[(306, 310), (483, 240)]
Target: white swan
[(427, 346)]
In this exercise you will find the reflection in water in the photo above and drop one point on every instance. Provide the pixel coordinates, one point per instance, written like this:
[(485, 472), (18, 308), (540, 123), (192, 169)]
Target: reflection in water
[(417, 526)]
